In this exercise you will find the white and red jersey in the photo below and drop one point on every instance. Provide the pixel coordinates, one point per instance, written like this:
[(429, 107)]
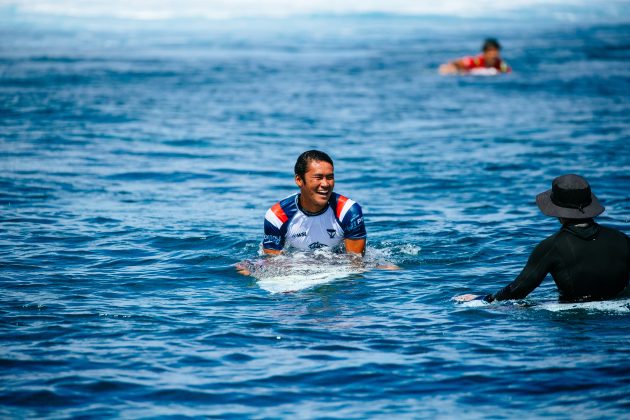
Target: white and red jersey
[(288, 225)]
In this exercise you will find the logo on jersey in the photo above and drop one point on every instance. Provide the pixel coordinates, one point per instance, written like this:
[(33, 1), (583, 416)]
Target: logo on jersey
[(356, 222), (331, 233), (316, 245), (299, 235), (272, 239)]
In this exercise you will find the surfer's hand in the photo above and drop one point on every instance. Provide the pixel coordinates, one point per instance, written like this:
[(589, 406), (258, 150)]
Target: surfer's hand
[(448, 68), (465, 298), (242, 269), (388, 267)]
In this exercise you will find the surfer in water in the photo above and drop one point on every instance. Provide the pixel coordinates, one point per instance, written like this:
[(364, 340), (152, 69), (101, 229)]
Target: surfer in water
[(316, 217), (489, 62), (586, 260)]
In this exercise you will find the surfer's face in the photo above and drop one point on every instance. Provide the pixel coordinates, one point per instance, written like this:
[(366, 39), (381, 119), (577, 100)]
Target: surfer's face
[(317, 185), (491, 55)]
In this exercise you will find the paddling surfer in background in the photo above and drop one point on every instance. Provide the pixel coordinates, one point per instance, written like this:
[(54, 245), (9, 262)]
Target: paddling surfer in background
[(489, 62), (586, 260)]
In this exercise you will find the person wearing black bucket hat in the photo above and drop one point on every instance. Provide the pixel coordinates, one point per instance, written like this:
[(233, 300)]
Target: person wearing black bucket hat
[(570, 197), (586, 260)]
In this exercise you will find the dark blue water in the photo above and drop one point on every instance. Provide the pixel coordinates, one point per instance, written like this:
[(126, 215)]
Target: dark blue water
[(138, 160)]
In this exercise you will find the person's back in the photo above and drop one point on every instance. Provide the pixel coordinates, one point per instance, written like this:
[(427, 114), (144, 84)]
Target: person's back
[(587, 261), (593, 261)]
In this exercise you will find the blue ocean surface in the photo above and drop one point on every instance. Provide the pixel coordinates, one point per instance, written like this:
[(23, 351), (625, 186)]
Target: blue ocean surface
[(138, 158)]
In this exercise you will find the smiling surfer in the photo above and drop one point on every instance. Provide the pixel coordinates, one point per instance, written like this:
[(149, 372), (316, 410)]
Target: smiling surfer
[(586, 260), (316, 217)]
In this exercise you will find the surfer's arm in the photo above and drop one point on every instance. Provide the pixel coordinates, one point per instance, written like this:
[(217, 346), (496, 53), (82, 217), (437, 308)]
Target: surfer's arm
[(448, 68), (354, 233), (537, 267), (274, 238), (455, 66), (355, 246)]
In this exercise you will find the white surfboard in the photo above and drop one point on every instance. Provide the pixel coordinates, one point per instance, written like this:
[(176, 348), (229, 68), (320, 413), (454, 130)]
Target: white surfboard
[(617, 305), (484, 71), (293, 282), (301, 270), (614, 306)]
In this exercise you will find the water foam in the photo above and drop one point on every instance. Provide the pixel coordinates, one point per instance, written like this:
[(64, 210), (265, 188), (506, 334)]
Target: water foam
[(291, 272), (295, 271)]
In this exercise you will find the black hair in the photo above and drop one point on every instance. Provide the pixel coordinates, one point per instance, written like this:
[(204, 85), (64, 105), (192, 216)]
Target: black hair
[(302, 161), (490, 44)]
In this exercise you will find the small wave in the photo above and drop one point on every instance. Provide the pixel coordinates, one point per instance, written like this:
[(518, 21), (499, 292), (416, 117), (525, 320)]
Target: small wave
[(392, 253), (159, 176)]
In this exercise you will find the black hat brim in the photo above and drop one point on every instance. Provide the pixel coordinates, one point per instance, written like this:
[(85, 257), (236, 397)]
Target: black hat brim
[(543, 200)]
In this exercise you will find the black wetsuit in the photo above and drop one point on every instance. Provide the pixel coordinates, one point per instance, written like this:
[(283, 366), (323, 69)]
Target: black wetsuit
[(587, 263)]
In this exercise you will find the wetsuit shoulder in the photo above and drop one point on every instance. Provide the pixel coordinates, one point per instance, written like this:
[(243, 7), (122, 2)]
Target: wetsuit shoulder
[(614, 232), (545, 247), (617, 239)]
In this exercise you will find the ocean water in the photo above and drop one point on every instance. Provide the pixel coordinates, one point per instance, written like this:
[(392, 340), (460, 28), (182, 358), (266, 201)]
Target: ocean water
[(137, 160)]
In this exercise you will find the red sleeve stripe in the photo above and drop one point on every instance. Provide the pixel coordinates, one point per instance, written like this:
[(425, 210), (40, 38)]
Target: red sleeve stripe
[(280, 214), (341, 201)]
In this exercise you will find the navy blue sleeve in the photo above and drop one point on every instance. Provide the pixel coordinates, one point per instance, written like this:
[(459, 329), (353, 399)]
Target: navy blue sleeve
[(352, 224), (273, 239)]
